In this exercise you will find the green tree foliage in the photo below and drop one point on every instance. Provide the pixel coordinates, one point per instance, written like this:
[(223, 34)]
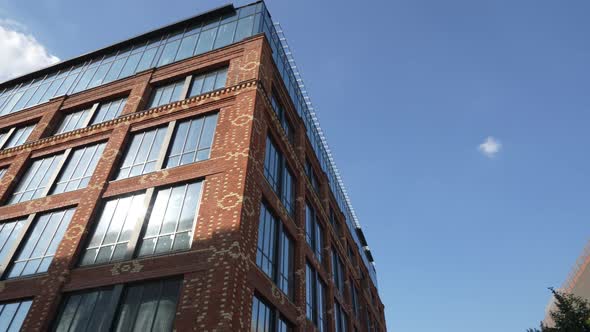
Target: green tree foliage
[(571, 315)]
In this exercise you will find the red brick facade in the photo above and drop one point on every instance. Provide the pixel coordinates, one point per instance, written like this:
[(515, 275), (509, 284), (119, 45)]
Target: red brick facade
[(219, 271)]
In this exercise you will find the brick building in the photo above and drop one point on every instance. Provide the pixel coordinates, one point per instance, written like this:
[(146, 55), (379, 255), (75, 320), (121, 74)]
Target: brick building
[(177, 180)]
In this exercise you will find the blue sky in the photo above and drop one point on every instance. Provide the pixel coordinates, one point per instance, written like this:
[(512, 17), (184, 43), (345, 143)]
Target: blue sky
[(407, 91)]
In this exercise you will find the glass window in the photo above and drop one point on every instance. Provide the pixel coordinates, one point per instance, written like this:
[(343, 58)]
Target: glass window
[(138, 307), (169, 53), (285, 279), (36, 179), (272, 164), (142, 154), (279, 176), (225, 34), (355, 299), (340, 318), (192, 141), (265, 253), (87, 311), (149, 306), (280, 112), (169, 226), (244, 28), (284, 326), (338, 272), (130, 65), (12, 315), (261, 316), (18, 137), (208, 82), (74, 120), (166, 94), (187, 47), (274, 253), (314, 232), (171, 223), (114, 229), (314, 297), (206, 41), (2, 171), (37, 251), (79, 168), (108, 110), (288, 192), (9, 233), (312, 176)]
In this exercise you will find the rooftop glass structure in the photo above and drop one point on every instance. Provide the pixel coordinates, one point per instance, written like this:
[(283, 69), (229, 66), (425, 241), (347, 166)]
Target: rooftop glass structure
[(212, 30)]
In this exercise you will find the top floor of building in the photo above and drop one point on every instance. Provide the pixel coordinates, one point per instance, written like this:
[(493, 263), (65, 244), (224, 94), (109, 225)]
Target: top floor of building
[(175, 42)]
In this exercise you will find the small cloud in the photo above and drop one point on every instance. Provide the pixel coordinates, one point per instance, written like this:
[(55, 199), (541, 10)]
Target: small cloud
[(21, 52), (490, 147)]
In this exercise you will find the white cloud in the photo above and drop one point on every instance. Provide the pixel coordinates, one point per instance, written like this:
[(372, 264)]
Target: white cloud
[(490, 147), (20, 52)]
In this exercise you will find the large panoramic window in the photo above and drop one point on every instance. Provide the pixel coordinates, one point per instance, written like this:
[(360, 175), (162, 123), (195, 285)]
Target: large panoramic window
[(314, 232), (36, 252), (315, 298), (15, 136), (142, 307), (169, 225), (279, 176), (192, 39), (191, 142), (97, 113), (12, 315), (274, 253), (197, 84)]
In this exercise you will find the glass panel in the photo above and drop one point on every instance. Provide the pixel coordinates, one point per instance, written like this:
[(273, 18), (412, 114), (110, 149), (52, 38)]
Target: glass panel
[(73, 121), (130, 65), (192, 141), (169, 53), (261, 316), (142, 153), (32, 185), (79, 168), (244, 28), (166, 94), (114, 229), (9, 232), (109, 110), (19, 136), (267, 237), (272, 162), (206, 41), (225, 34), (88, 311), (187, 47), (41, 243), (173, 214), (12, 315), (149, 307)]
